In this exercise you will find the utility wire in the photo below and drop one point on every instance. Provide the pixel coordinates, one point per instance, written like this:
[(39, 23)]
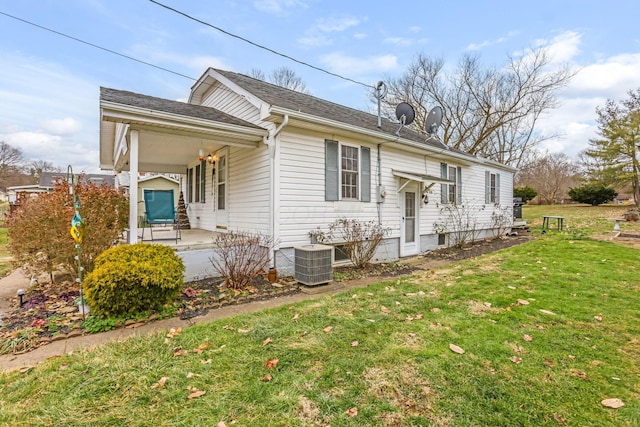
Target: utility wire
[(98, 47), (259, 45)]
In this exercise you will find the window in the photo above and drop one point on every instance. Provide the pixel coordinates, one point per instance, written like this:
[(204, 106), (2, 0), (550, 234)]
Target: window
[(203, 180), (492, 187), (451, 192), (222, 182), (349, 160), (347, 172), (189, 185), (198, 182), (442, 239)]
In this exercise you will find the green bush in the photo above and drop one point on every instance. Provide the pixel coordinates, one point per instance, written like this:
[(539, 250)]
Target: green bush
[(593, 194), (133, 278), (525, 193)]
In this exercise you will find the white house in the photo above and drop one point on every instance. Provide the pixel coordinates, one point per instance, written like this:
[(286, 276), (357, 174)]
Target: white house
[(258, 157)]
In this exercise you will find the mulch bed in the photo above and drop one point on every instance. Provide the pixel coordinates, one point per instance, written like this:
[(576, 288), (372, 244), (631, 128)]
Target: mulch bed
[(49, 314)]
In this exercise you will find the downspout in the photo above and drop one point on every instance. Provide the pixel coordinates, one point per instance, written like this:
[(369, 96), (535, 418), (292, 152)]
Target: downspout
[(272, 143), (379, 187)]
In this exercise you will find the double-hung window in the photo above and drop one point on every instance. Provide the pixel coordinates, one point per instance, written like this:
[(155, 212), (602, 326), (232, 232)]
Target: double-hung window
[(347, 172), (451, 192), (492, 187)]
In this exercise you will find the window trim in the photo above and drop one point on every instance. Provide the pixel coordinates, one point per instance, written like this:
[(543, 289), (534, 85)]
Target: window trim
[(334, 172), (342, 171)]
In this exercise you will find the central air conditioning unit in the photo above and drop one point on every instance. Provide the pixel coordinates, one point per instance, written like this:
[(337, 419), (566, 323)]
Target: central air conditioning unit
[(313, 264)]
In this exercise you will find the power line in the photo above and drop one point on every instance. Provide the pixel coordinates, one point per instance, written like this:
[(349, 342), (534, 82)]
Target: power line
[(259, 45), (97, 46)]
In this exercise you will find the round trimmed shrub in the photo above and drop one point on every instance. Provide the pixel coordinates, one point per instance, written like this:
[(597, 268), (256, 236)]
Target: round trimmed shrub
[(128, 279)]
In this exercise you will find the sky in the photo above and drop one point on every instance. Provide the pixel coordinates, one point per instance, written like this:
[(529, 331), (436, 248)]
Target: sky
[(49, 84)]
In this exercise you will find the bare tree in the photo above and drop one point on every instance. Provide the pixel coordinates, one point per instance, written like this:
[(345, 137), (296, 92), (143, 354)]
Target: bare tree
[(38, 166), (551, 175), (11, 162), (491, 112), (283, 77)]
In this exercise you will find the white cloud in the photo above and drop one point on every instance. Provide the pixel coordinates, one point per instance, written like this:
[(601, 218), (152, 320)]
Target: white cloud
[(66, 126), (319, 33), (403, 41), (612, 77), (336, 24), (562, 48), (351, 65), (487, 43), (278, 7), (415, 29), (360, 36)]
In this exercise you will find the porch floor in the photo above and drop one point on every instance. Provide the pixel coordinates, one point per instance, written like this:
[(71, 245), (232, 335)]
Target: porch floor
[(192, 239)]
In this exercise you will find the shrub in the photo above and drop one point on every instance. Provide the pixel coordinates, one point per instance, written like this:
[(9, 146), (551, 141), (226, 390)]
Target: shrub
[(132, 278), (40, 240), (525, 193), (361, 238), (241, 257), (460, 222), (593, 194)]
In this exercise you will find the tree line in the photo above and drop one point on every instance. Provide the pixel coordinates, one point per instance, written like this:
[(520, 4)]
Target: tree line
[(16, 170)]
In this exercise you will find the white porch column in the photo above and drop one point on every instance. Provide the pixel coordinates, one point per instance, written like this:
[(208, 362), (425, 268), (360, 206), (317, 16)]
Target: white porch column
[(133, 186)]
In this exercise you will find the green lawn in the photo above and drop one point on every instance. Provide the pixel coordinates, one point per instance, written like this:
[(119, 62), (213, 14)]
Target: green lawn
[(549, 329)]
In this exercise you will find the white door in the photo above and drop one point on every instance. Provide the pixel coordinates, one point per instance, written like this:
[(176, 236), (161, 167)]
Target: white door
[(221, 192), (409, 227)]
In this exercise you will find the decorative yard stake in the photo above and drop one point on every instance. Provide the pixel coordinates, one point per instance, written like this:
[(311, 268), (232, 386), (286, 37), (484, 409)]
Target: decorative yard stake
[(77, 231)]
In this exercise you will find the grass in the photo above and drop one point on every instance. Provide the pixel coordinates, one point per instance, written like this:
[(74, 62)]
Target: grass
[(383, 350), (5, 267), (549, 328)]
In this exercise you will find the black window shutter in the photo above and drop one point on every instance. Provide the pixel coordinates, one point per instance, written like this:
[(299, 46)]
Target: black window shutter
[(331, 170)]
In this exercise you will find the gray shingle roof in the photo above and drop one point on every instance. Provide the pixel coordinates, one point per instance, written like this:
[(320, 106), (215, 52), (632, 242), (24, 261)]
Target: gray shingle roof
[(297, 101), (48, 179), (167, 106)]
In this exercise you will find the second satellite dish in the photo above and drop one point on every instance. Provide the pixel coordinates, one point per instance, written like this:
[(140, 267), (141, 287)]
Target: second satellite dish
[(434, 120), (406, 115)]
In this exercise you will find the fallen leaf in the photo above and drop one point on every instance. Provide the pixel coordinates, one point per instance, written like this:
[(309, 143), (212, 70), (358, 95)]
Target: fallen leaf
[(196, 393), (25, 369), (515, 359), (352, 412), (221, 424), (202, 347), (547, 312), (271, 363), (571, 357), (296, 317), (523, 302), (228, 328), (266, 378), (598, 318), (266, 341), (354, 343), (612, 403), (192, 375), (206, 362), (174, 332), (244, 331), (64, 367), (456, 349), (291, 307), (559, 419), (384, 309), (161, 382), (328, 329), (578, 374), (511, 287), (527, 338), (179, 351)]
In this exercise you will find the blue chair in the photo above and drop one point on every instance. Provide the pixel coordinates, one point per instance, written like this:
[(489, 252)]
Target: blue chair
[(160, 211)]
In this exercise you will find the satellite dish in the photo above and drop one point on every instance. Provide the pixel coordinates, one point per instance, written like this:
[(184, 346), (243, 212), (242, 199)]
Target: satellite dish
[(406, 114), (434, 120)]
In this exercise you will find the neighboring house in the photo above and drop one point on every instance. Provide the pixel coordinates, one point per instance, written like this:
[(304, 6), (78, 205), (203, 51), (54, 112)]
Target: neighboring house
[(18, 193), (258, 157)]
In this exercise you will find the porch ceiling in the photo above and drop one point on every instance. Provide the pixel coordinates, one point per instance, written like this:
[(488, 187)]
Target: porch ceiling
[(167, 142)]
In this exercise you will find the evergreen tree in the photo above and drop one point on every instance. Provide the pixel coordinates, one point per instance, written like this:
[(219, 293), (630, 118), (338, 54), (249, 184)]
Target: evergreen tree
[(615, 152)]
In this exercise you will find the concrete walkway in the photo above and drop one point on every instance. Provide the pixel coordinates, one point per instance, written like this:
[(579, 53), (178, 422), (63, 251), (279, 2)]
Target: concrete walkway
[(16, 280)]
